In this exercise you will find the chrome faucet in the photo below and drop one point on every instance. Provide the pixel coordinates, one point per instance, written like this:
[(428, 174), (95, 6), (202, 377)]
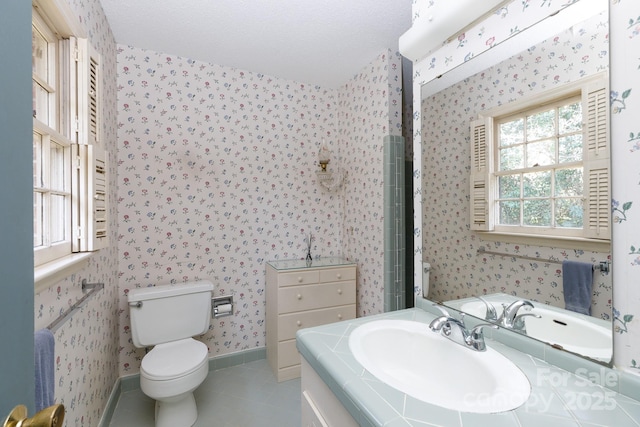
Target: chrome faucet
[(511, 317), (457, 332)]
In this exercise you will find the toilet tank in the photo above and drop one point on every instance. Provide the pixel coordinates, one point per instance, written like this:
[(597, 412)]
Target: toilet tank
[(165, 313)]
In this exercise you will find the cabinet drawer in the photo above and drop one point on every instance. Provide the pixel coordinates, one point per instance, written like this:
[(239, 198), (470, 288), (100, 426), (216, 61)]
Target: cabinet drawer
[(298, 278), (337, 274), (288, 324), (288, 354), (298, 298)]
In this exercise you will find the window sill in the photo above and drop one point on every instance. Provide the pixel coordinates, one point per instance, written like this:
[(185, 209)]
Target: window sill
[(48, 274), (555, 242)]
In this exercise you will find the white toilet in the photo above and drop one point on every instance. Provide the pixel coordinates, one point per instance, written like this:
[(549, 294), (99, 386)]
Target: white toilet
[(167, 317)]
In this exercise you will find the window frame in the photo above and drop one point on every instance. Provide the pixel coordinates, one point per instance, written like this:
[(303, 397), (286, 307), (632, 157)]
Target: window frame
[(555, 104), (49, 130), (596, 232)]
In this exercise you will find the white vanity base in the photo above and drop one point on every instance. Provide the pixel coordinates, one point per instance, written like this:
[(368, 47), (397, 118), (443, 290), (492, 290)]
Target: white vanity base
[(320, 407)]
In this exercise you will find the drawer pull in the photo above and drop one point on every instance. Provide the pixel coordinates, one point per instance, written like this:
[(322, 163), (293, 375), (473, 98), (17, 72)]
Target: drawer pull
[(299, 296), (339, 316), (299, 279), (339, 276), (339, 291), (299, 323)]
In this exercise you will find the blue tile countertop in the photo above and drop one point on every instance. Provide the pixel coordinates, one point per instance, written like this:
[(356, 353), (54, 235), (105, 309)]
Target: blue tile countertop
[(558, 398)]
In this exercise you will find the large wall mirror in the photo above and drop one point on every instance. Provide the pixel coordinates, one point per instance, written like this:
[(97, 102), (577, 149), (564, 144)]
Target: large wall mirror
[(465, 264)]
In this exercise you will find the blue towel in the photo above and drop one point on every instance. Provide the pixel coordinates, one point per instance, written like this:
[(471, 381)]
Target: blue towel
[(577, 283), (44, 352)]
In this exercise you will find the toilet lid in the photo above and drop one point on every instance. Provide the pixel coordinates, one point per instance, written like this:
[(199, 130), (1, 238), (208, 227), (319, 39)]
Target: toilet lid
[(174, 359)]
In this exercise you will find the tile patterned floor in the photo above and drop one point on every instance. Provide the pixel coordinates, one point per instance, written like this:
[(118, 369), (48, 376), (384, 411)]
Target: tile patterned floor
[(245, 395)]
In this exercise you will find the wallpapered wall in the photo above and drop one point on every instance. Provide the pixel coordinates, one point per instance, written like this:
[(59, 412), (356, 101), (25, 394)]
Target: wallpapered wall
[(451, 248), (624, 33), (212, 172), (216, 175), (370, 106), (625, 110), (86, 355)]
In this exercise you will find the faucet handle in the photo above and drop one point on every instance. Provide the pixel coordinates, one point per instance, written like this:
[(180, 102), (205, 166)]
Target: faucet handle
[(518, 322), (438, 323), (441, 323), (490, 313), (475, 338), (518, 304), (477, 330)]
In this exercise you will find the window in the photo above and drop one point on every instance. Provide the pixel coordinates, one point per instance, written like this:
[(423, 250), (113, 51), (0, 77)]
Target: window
[(541, 166), (69, 186), (51, 150)]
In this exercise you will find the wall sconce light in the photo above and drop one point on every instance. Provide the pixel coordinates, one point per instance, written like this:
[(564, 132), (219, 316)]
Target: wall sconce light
[(329, 180), (324, 156)]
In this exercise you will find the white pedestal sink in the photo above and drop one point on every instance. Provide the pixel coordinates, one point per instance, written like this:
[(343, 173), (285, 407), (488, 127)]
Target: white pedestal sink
[(409, 357)]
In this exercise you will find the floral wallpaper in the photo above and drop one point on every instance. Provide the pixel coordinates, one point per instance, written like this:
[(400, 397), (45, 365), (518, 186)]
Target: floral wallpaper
[(212, 173), (458, 271), (86, 352), (625, 67), (625, 109), (216, 176), (379, 88)]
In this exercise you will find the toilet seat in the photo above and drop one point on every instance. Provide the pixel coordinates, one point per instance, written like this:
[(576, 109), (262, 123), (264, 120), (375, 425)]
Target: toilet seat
[(173, 360)]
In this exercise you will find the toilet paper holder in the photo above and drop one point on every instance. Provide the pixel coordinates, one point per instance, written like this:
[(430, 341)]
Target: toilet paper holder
[(222, 306)]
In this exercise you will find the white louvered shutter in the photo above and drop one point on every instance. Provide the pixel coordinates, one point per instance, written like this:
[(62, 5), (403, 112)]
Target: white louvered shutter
[(89, 93), (90, 222), (94, 107), (97, 236), (597, 165), (90, 198), (481, 160)]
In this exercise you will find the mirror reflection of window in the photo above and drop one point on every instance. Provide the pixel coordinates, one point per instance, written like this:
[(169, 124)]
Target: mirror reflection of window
[(540, 167), (550, 175)]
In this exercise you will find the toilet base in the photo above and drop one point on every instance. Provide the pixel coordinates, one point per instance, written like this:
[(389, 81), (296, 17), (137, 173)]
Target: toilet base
[(179, 411)]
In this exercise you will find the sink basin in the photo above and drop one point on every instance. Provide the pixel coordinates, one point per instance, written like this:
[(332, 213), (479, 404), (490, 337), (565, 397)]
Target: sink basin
[(411, 358), (572, 331)]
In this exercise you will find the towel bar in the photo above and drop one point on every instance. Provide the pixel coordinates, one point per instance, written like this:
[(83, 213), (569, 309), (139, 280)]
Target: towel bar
[(603, 266), (93, 288)]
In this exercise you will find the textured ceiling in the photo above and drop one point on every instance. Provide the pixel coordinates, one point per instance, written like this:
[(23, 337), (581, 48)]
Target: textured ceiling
[(320, 42)]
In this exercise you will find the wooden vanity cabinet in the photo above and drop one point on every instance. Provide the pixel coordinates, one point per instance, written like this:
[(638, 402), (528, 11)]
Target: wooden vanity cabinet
[(301, 297)]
